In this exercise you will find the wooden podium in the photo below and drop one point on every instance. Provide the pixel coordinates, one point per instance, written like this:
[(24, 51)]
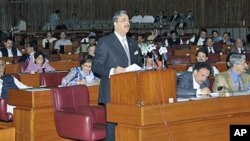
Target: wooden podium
[(140, 107)]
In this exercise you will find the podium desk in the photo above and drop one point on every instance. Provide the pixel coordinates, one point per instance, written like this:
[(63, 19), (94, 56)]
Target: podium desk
[(34, 115), (206, 120), (7, 133)]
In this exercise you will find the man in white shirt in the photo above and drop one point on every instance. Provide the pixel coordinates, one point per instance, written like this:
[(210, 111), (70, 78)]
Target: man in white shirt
[(196, 83), (8, 82), (55, 19), (21, 26), (8, 50), (198, 40), (202, 56), (148, 19), (63, 41)]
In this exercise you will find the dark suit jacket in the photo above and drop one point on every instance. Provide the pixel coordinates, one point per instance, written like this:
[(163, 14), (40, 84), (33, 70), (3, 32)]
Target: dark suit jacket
[(235, 50), (185, 85), (217, 50), (110, 54)]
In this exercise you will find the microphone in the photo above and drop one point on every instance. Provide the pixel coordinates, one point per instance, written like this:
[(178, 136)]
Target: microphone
[(163, 52), (225, 88), (151, 49)]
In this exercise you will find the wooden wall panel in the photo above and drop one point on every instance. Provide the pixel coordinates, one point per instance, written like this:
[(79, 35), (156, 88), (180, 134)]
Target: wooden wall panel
[(208, 13)]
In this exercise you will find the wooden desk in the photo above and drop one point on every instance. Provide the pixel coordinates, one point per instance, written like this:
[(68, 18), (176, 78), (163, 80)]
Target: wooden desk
[(206, 120), (59, 66), (34, 116), (72, 57), (12, 69), (64, 65), (30, 79), (7, 133)]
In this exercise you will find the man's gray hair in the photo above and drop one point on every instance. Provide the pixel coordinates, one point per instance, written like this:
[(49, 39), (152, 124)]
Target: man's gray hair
[(236, 59), (118, 14)]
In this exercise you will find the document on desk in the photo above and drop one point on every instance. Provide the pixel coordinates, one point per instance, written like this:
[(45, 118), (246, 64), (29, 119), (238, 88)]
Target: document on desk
[(133, 67), (37, 89)]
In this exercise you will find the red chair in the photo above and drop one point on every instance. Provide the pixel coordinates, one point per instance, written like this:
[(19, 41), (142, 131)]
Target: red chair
[(175, 60), (74, 117), (52, 79), (23, 66), (54, 57), (4, 115), (213, 58)]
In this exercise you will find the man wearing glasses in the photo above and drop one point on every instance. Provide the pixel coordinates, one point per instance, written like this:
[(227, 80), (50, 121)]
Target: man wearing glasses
[(235, 78), (113, 54)]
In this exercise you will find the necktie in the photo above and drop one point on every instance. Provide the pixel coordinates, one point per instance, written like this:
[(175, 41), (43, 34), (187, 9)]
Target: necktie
[(126, 50), (242, 50)]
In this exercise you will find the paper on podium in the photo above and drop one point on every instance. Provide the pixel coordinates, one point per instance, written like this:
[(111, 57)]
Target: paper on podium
[(133, 67)]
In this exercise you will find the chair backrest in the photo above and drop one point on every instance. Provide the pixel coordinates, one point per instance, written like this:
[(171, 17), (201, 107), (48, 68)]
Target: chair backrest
[(70, 97), (213, 58), (23, 66), (54, 57), (4, 115), (175, 60), (52, 79)]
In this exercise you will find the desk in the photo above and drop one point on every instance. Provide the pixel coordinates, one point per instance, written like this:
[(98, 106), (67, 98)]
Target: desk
[(34, 116), (7, 133), (206, 120), (59, 66), (64, 65)]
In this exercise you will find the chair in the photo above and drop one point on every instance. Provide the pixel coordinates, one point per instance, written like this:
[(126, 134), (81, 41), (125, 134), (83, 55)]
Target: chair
[(213, 58), (74, 117), (4, 115), (52, 79), (23, 66), (54, 57), (175, 60)]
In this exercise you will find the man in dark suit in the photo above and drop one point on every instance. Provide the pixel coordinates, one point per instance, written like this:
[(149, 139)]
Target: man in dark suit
[(239, 47), (209, 47), (113, 54), (196, 83), (30, 51)]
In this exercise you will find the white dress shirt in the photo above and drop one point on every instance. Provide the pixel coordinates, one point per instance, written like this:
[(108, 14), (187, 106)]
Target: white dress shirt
[(10, 54), (197, 87), (46, 40), (199, 43)]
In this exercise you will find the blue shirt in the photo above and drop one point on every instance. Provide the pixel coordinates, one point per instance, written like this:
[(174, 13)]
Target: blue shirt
[(238, 84)]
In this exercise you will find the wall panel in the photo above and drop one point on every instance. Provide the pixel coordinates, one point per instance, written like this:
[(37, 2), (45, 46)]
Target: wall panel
[(208, 13)]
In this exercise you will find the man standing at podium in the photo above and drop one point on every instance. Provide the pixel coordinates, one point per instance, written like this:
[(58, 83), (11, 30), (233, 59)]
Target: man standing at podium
[(114, 53)]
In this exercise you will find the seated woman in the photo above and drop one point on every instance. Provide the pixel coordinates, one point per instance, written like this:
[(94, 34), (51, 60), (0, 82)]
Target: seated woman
[(40, 64), (81, 74)]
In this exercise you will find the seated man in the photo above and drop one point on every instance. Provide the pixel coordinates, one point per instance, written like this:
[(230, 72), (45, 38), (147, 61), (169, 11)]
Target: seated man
[(235, 79), (202, 56), (198, 40), (8, 50), (174, 39), (8, 82), (196, 83), (239, 47), (63, 41), (209, 47)]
